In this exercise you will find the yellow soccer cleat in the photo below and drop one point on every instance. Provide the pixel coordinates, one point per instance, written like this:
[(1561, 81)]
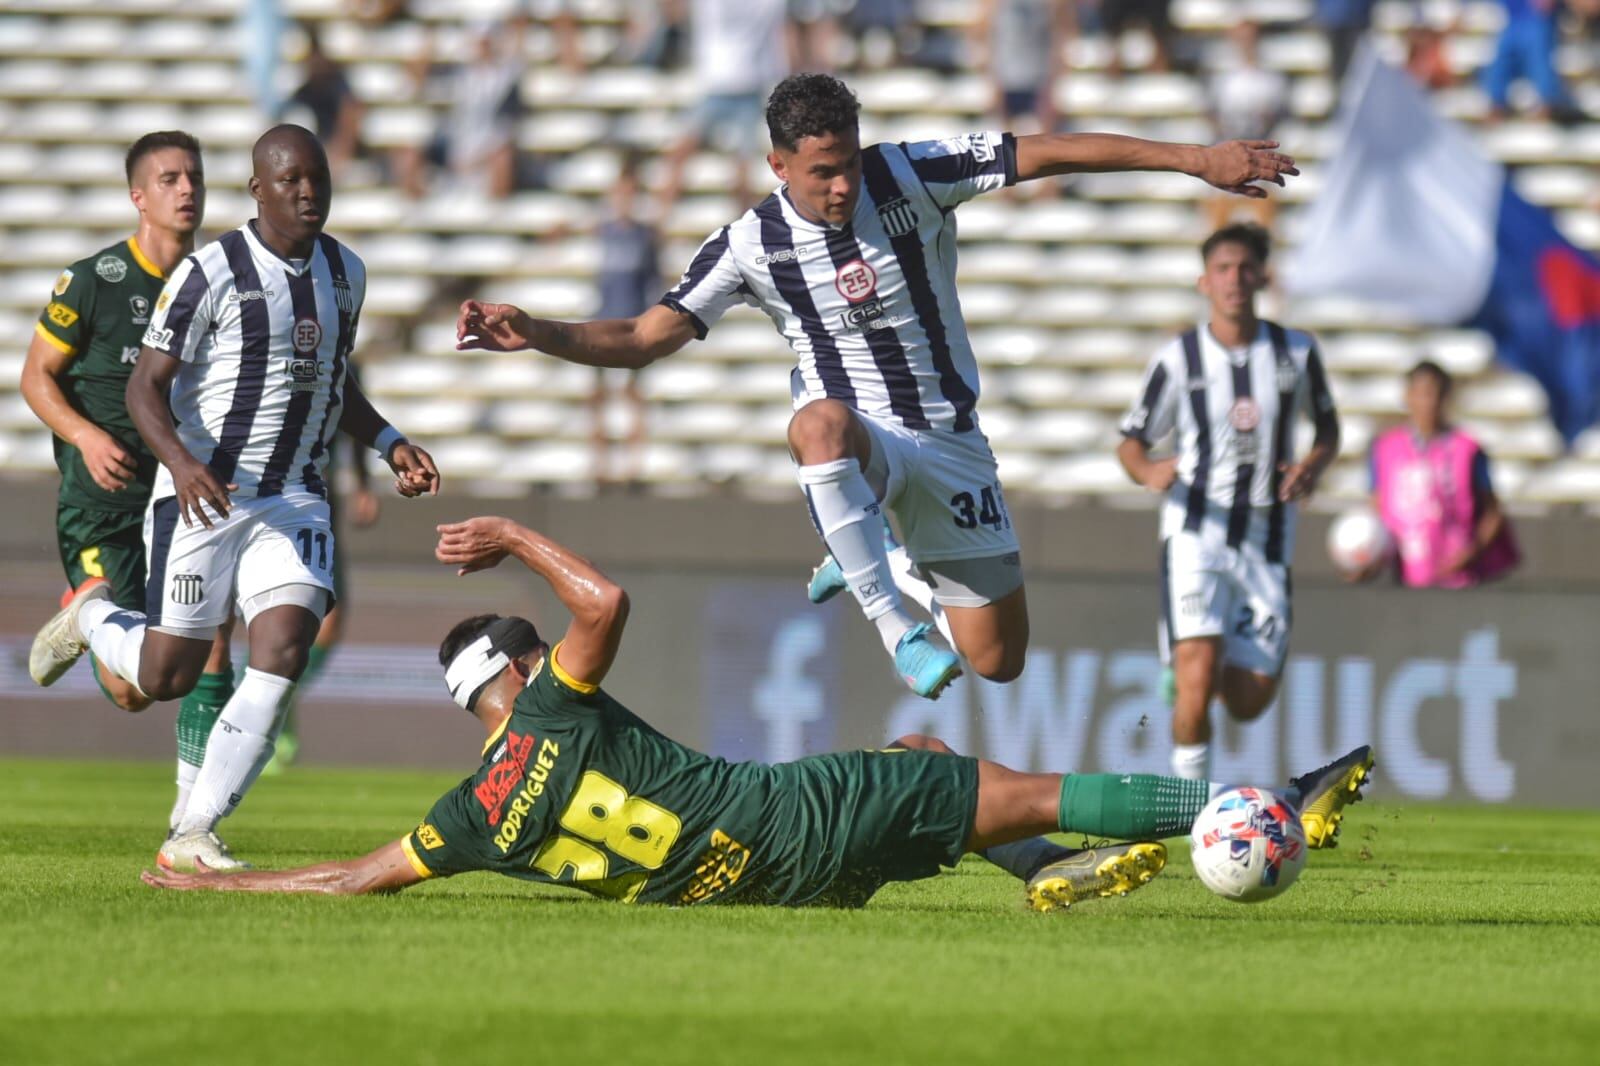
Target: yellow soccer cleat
[(1323, 794), (1106, 870)]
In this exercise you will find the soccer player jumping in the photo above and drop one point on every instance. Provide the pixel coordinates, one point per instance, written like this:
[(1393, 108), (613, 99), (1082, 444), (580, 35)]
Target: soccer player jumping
[(853, 257), (241, 383), (576, 790)]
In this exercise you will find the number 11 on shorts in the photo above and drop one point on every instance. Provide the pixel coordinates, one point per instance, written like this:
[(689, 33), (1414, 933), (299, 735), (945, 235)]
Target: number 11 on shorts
[(306, 537)]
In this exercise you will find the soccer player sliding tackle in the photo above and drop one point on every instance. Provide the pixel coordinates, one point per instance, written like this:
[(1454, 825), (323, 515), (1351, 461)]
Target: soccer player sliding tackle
[(853, 258), (241, 383), (574, 789)]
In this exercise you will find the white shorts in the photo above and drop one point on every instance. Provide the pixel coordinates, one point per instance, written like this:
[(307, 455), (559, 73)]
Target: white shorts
[(196, 574), (945, 490), (1211, 590)]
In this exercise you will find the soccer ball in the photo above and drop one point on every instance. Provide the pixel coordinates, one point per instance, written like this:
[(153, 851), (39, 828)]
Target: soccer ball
[(1248, 845), (1357, 539)]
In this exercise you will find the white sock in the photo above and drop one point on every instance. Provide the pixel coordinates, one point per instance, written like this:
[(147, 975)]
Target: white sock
[(1189, 761), (851, 525), (241, 743), (906, 579), (187, 772), (115, 636)]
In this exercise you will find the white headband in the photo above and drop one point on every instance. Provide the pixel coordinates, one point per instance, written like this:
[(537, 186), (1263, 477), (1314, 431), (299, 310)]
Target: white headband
[(473, 667)]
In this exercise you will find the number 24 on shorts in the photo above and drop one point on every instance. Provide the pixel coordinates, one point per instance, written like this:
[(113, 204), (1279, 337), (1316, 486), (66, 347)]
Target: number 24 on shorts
[(989, 508)]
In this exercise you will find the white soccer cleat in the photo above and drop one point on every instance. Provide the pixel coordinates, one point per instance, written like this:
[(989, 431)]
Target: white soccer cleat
[(181, 852), (60, 643)]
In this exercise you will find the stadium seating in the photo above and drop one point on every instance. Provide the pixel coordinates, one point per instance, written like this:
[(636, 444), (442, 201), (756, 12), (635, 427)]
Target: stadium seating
[(1066, 296)]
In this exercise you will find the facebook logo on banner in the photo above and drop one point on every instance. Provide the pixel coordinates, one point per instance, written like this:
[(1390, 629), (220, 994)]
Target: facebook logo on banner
[(768, 676)]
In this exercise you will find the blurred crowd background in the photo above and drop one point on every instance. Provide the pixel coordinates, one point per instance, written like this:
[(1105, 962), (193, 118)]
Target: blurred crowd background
[(568, 155)]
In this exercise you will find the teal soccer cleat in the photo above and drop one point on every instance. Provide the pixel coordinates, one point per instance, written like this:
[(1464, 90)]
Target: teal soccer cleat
[(924, 665), (827, 581)]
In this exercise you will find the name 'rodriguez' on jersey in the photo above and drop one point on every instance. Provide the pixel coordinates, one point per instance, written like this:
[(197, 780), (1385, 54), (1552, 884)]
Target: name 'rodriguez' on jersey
[(265, 345), (869, 307)]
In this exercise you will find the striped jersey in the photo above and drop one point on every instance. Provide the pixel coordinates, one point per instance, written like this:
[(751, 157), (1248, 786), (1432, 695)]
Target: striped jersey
[(869, 307), (1233, 414), (265, 345)]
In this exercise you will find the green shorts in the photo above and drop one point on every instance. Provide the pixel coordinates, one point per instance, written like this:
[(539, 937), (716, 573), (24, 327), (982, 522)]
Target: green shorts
[(108, 544), (863, 819)]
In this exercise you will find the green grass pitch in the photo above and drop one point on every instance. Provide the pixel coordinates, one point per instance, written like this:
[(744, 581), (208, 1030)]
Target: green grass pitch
[(1434, 935)]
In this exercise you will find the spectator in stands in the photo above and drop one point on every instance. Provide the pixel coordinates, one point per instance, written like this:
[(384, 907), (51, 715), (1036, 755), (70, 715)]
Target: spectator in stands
[(261, 48), (630, 282), (1431, 486), (379, 12), (1344, 22), (335, 110), (885, 32), (739, 50), (1025, 43), (1527, 49), (476, 142), (1119, 16), (561, 17), (814, 34), (655, 34), (1247, 101)]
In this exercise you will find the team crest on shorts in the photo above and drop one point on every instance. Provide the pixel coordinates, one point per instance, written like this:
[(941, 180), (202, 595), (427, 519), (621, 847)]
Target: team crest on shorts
[(307, 335), (898, 217), (856, 281), (111, 268), (187, 589)]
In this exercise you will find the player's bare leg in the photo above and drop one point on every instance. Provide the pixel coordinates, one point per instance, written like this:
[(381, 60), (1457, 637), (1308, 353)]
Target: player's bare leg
[(832, 448), (124, 694), (1194, 666), (1247, 694), (993, 638)]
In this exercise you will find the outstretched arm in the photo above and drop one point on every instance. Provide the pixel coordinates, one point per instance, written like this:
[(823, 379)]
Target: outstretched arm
[(384, 870), (1232, 166), (629, 343), (598, 606)]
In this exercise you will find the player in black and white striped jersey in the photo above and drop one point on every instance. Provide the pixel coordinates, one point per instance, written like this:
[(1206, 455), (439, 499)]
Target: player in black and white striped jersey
[(1229, 390), (242, 382), (853, 258)]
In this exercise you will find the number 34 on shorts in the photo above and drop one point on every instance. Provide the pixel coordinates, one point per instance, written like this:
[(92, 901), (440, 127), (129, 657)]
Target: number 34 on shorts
[(986, 507)]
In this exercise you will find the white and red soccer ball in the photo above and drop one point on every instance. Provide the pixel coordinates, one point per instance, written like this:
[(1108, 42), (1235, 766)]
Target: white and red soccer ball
[(1357, 539), (1248, 845)]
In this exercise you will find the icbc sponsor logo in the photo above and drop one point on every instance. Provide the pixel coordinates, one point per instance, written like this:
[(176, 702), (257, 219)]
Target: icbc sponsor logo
[(855, 281), (504, 776)]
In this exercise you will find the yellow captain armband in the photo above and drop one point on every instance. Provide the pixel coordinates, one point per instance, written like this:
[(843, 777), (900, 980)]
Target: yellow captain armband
[(582, 687), (55, 342), (411, 856)]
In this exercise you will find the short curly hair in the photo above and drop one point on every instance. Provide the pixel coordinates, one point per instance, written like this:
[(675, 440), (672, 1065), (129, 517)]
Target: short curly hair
[(810, 105)]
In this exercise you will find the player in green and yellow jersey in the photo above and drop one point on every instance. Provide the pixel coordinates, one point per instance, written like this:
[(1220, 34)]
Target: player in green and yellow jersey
[(84, 348), (576, 790)]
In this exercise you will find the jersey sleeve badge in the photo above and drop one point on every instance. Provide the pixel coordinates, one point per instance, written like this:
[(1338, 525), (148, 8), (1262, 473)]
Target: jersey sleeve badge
[(63, 283)]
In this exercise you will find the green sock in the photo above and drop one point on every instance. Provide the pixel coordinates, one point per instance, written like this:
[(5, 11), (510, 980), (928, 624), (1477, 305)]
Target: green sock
[(1130, 806), (199, 711)]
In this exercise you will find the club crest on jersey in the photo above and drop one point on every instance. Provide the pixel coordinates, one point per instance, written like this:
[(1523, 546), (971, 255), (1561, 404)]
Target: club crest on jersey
[(342, 297), (163, 300), (111, 268), (898, 217), (856, 281), (307, 335), (1245, 415), (63, 283), (140, 306)]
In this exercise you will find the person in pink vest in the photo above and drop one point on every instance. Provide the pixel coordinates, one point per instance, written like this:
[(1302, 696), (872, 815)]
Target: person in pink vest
[(1431, 487)]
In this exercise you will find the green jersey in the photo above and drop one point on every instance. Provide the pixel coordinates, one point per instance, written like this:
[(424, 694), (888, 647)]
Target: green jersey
[(577, 790), (97, 316)]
